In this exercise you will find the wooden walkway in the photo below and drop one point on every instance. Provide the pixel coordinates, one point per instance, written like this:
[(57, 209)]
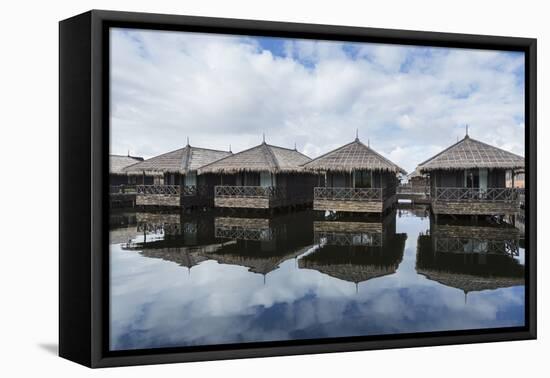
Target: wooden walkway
[(417, 195), (416, 198)]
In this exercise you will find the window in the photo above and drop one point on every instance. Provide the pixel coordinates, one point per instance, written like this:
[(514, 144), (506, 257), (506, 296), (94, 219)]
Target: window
[(472, 178), (191, 179), (363, 179), (265, 179)]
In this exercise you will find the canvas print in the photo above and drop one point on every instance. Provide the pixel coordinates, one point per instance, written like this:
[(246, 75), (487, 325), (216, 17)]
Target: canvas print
[(268, 189)]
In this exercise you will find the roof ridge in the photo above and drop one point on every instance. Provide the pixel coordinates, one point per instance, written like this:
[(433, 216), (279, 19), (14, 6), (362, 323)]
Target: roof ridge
[(186, 158), (208, 149), (267, 148)]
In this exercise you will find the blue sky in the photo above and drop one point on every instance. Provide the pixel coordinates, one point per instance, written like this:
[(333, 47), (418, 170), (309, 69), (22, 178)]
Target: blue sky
[(409, 101)]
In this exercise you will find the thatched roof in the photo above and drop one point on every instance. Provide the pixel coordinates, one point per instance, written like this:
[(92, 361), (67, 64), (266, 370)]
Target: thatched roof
[(183, 256), (352, 265), (470, 153), (182, 161), (255, 261), (348, 272), (118, 162), (468, 271), (352, 156), (468, 282), (261, 158)]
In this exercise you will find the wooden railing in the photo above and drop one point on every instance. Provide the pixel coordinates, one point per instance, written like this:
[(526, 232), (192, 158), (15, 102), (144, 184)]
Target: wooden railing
[(352, 194), (243, 233), (413, 189), (370, 239), (158, 189), (476, 194), (477, 246), (226, 191)]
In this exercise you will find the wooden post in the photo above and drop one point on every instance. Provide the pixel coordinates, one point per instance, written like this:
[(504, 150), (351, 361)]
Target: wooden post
[(371, 180)]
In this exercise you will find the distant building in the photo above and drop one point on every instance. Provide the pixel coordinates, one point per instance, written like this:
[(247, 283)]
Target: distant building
[(517, 182), (418, 182)]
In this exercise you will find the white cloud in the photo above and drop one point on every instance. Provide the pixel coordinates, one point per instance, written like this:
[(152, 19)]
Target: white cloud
[(409, 101)]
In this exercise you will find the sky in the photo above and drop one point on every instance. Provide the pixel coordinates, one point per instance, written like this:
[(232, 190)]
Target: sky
[(408, 102)]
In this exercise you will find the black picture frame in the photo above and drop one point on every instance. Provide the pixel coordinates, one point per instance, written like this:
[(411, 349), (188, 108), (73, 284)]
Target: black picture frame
[(83, 169)]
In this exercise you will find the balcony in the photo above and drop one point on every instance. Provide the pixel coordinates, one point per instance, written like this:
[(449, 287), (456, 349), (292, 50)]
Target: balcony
[(476, 201), (476, 194), (348, 194), (259, 197), (353, 199)]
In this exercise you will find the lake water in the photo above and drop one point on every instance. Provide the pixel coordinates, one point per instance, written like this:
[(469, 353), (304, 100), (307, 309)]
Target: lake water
[(203, 279)]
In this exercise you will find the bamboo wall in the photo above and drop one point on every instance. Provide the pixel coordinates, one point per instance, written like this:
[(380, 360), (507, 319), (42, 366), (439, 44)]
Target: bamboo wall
[(475, 208)]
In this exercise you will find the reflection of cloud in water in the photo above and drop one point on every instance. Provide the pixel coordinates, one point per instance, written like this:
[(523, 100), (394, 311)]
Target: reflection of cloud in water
[(156, 303)]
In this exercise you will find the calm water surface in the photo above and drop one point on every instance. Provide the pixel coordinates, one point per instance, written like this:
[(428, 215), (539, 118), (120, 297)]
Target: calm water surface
[(180, 280)]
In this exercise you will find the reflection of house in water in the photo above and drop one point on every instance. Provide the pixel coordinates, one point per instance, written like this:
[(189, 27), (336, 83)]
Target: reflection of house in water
[(262, 244), (177, 229), (122, 227), (356, 250), (167, 223), (471, 257), (183, 256), (259, 229), (413, 210), (186, 239)]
